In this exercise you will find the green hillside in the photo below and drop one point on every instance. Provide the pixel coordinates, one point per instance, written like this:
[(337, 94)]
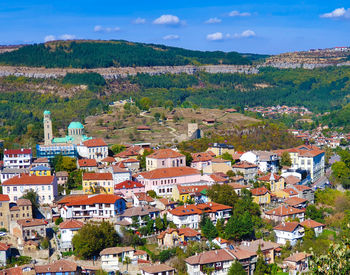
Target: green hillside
[(95, 54)]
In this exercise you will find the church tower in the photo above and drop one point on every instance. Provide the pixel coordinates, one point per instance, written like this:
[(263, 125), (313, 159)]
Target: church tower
[(47, 128)]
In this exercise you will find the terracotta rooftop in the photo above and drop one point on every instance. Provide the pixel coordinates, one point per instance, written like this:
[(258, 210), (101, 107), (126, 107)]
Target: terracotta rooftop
[(96, 199), (187, 232), (294, 201), (253, 246), (108, 159), (129, 152), (169, 172), (158, 268), (201, 157), (72, 198), (292, 180), (212, 207), (186, 189), (284, 210), (62, 174), (311, 223), (4, 246), (164, 154), (297, 257), (185, 210), (4, 197), (166, 202), (87, 163), (97, 176), (211, 256), (31, 222), (71, 224), (60, 266), (217, 178), (142, 196), (17, 151), (244, 165), (290, 191), (23, 202), (301, 187), (29, 180), (96, 142), (116, 250), (128, 184), (259, 191), (269, 178), (41, 160), (287, 226), (140, 211)]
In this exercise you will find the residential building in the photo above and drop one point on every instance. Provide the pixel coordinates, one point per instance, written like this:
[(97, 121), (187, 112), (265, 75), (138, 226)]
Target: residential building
[(67, 230), (45, 186), (307, 157), (132, 165), (137, 214), (304, 192), (128, 187), (186, 193), (316, 226), (275, 181), (58, 267), (29, 229), (267, 248), (131, 152), (185, 216), (62, 177), (17, 158), (221, 260), (201, 160), (140, 199), (95, 206), (9, 173), (297, 263), (177, 236), (286, 193), (120, 174), (238, 187), (215, 211), (95, 148), (296, 202), (40, 171), (5, 253), (249, 170), (108, 161), (4, 211), (261, 195), (87, 165), (98, 183), (218, 165), (158, 269), (112, 256), (283, 212), (22, 209), (165, 204), (41, 162), (289, 231), (55, 149), (165, 158), (163, 180), (221, 148), (222, 243), (266, 161)]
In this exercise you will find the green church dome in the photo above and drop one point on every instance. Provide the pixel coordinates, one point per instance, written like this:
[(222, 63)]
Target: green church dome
[(47, 112), (75, 125)]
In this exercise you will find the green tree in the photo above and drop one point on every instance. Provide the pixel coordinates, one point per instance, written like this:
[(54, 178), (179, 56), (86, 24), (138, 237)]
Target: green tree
[(285, 159), (159, 224), (92, 238), (127, 261), (220, 227), (117, 148), (223, 193), (63, 163), (208, 230), (145, 103), (142, 158), (188, 157), (208, 269), (261, 267), (157, 116), (313, 213), (34, 199), (58, 221), (236, 269), (228, 156), (239, 227)]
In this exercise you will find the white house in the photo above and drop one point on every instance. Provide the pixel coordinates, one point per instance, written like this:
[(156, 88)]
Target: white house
[(266, 161), (111, 256), (18, 158), (93, 149), (120, 174), (4, 253), (9, 173), (185, 216), (44, 186), (157, 269), (289, 231), (316, 226), (67, 230)]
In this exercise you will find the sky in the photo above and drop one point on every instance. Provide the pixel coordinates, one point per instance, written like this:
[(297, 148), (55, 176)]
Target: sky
[(265, 27)]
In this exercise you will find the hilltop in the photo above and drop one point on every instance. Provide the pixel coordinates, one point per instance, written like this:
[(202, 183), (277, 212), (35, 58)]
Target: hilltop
[(115, 53)]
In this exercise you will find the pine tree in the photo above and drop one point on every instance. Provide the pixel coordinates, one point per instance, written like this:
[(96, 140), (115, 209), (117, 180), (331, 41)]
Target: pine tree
[(236, 269)]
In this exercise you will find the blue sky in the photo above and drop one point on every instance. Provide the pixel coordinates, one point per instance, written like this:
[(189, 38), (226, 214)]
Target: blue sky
[(245, 26)]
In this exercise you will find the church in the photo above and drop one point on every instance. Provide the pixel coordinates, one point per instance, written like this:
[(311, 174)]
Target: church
[(66, 146)]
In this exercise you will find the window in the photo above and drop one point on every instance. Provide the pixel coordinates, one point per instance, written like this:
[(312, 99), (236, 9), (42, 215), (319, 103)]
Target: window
[(15, 189), (43, 187)]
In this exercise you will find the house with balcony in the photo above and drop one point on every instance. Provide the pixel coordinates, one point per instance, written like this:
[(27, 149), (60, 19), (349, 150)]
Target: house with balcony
[(185, 216), (314, 225), (177, 236), (165, 158), (289, 231), (215, 211), (102, 206), (18, 158), (284, 212), (95, 148), (112, 257), (67, 230), (140, 214), (127, 188), (266, 161), (98, 183)]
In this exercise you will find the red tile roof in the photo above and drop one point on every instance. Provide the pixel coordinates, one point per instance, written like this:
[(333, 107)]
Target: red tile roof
[(218, 178), (71, 224), (4, 197), (108, 159), (212, 256), (268, 177), (72, 198), (17, 151), (131, 151), (292, 180), (212, 207), (142, 196), (60, 266), (4, 246), (186, 189), (31, 222), (311, 224), (295, 201), (302, 187), (87, 163), (169, 172), (96, 199), (96, 142), (29, 180), (237, 185), (143, 127), (164, 154), (185, 210), (201, 157), (287, 226), (97, 176), (297, 257), (128, 184), (290, 191), (156, 269), (130, 160), (259, 191), (303, 150), (284, 210), (244, 164)]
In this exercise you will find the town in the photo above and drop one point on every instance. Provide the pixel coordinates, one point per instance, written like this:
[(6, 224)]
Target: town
[(76, 204)]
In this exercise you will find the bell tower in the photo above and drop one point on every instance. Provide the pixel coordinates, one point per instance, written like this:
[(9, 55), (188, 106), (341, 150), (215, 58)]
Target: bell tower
[(47, 128)]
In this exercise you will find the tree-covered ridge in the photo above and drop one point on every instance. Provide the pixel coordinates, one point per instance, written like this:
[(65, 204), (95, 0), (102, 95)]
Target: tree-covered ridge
[(103, 54)]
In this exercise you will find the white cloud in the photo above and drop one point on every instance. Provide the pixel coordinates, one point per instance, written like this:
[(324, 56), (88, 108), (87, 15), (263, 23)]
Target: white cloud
[(139, 20), (213, 20), (171, 37), (49, 38), (99, 28), (239, 14), (217, 36), (167, 19), (245, 34), (67, 36), (337, 13)]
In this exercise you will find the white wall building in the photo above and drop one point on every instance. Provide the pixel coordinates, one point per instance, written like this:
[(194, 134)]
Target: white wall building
[(93, 149), (266, 161), (185, 216), (111, 256), (67, 230), (289, 231), (17, 158)]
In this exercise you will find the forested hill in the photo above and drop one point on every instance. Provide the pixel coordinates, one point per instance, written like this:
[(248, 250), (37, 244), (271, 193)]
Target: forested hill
[(103, 54)]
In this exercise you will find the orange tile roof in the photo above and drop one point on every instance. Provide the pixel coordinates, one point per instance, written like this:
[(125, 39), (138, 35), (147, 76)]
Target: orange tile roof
[(292, 180), (71, 224), (218, 178), (303, 150), (130, 160), (164, 154), (284, 210), (12, 271), (59, 266), (185, 189), (287, 226), (4, 246), (142, 196), (4, 197), (201, 157), (25, 179), (31, 222), (212, 256), (295, 201), (311, 223), (268, 177), (297, 257), (166, 202), (87, 163), (128, 184), (101, 198), (108, 159), (259, 191), (185, 210), (301, 187), (244, 164), (97, 176), (169, 172), (96, 142), (129, 152), (17, 151), (212, 207), (156, 269), (236, 185), (290, 191), (188, 232), (71, 198)]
